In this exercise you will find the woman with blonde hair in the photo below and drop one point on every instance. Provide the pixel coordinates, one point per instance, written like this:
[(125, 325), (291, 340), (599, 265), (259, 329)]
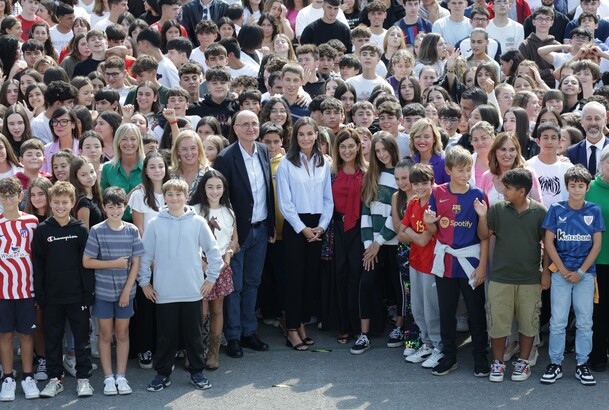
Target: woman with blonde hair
[(426, 147), (188, 160), (393, 41)]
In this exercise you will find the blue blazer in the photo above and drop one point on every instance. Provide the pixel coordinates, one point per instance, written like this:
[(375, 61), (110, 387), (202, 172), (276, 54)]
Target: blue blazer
[(192, 12), (577, 153), (230, 163)]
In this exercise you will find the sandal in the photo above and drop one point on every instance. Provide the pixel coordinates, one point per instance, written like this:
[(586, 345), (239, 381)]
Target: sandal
[(343, 340), (308, 341), (300, 347)]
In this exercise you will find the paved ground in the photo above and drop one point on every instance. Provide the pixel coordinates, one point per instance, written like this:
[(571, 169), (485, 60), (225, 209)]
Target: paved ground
[(378, 379)]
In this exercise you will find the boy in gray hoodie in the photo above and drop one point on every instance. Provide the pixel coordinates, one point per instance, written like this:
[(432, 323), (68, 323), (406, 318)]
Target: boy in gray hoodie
[(173, 241)]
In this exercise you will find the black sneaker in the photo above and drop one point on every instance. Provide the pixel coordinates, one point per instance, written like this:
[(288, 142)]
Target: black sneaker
[(583, 374), (159, 383), (396, 338), (444, 367), (200, 381), (482, 369), (361, 345), (145, 359), (553, 373)]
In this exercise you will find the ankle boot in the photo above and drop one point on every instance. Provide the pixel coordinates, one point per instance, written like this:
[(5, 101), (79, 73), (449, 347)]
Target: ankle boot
[(214, 353)]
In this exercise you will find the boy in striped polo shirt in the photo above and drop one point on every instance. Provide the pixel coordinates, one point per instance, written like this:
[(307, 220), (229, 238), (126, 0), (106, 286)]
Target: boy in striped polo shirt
[(17, 308)]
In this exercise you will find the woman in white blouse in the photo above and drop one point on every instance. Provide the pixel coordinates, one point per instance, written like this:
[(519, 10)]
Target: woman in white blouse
[(304, 193)]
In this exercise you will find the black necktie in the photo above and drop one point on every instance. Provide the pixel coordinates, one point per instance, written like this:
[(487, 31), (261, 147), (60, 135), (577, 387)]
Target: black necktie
[(592, 160), (205, 11)]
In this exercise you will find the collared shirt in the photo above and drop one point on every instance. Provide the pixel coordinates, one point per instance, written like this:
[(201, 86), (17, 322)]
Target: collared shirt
[(207, 7), (599, 147), (306, 189), (257, 183)]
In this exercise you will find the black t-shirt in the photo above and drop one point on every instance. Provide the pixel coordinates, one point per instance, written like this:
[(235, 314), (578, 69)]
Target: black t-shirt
[(85, 67), (320, 32), (95, 213)]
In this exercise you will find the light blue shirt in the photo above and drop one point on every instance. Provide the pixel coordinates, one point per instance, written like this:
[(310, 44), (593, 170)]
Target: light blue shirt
[(304, 190), (256, 178)]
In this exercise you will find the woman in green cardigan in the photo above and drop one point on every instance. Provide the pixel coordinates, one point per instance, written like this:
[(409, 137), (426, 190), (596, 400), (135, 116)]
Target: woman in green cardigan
[(599, 195), (125, 169)]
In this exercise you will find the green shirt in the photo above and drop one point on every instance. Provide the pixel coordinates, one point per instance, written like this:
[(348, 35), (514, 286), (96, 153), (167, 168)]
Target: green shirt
[(517, 253), (115, 175), (599, 195)]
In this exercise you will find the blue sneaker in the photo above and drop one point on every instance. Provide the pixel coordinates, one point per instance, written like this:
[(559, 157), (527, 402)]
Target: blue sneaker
[(159, 383), (200, 381)]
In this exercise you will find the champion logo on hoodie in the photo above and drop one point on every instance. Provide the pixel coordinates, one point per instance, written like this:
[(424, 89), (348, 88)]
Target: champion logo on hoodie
[(61, 238)]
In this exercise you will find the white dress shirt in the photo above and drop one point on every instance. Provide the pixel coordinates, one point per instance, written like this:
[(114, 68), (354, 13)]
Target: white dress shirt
[(256, 178), (304, 190)]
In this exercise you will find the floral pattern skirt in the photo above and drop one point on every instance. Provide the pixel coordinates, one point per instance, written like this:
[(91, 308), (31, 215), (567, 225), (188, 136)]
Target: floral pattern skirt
[(223, 286)]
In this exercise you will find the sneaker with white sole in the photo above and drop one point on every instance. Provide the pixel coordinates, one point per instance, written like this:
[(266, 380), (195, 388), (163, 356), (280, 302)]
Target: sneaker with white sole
[(497, 371), (9, 385), (433, 360), (159, 383), (420, 355), (145, 359), (29, 388), (123, 386), (396, 338), (553, 373), (40, 372), (110, 386), (361, 345), (583, 374), (444, 367), (69, 365), (522, 371), (408, 351), (84, 389), (53, 388)]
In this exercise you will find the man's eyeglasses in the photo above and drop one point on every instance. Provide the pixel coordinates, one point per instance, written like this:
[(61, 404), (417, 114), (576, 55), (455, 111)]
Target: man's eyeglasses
[(113, 75)]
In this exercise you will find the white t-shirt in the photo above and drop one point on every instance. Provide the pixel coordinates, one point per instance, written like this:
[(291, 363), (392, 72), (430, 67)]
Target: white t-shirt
[(137, 203), (59, 39), (551, 179), (167, 73), (308, 15), (403, 141), (364, 87), (95, 18), (198, 56), (246, 70), (378, 39), (102, 24), (41, 128), (87, 8), (466, 48), (452, 31), (510, 36), (225, 219), (14, 169), (381, 69), (83, 12)]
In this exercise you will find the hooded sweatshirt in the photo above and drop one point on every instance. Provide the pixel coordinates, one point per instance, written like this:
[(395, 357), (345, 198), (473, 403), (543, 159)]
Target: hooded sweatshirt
[(529, 48), (223, 111), (174, 244), (59, 277)]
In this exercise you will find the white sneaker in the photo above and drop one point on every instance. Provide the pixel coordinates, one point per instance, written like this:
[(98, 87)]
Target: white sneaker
[(123, 386), (30, 389), (53, 388), (408, 351), (110, 387), (84, 388), (69, 364), (433, 360), (8, 389), (420, 355)]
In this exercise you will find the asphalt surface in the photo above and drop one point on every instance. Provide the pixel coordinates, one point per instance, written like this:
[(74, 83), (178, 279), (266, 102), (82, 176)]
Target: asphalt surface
[(334, 379)]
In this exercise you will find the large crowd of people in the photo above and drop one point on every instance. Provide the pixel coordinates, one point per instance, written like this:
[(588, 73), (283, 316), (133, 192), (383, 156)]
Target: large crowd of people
[(174, 174)]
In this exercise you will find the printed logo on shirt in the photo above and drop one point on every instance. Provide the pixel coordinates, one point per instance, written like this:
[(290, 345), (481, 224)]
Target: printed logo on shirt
[(563, 236), (456, 209), (23, 232), (15, 253), (443, 200), (588, 219), (444, 222), (562, 220), (61, 238)]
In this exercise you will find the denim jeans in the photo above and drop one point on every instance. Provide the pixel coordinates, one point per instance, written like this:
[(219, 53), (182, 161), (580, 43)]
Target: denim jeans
[(583, 303), (240, 306)]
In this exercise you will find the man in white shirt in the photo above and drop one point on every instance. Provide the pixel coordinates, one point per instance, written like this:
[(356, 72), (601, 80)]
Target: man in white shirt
[(505, 30), (588, 151), (62, 33), (149, 43), (236, 67), (479, 19), (117, 7), (115, 74), (364, 83), (455, 26), (313, 12)]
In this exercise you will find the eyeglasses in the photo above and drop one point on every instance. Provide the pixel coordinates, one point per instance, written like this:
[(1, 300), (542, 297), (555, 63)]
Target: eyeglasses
[(62, 122), (580, 37), (8, 197), (247, 125), (480, 19), (449, 120), (502, 2), (113, 75), (544, 19), (278, 111)]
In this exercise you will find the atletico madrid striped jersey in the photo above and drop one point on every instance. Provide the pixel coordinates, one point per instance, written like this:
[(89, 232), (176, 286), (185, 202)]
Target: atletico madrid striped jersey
[(16, 274)]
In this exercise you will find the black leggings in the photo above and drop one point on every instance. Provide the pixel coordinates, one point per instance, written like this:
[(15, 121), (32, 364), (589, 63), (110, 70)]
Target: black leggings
[(371, 283)]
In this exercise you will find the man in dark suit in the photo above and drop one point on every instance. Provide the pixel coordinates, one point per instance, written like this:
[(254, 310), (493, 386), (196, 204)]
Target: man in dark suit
[(198, 10), (246, 166), (588, 151)]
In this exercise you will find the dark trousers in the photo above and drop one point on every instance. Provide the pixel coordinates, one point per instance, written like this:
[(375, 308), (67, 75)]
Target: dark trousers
[(141, 326), (448, 299), (372, 280), (348, 251), (173, 320), (54, 327), (304, 259), (270, 293), (600, 318)]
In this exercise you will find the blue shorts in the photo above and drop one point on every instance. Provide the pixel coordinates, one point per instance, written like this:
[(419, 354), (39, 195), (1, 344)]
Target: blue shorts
[(111, 310), (18, 315)]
